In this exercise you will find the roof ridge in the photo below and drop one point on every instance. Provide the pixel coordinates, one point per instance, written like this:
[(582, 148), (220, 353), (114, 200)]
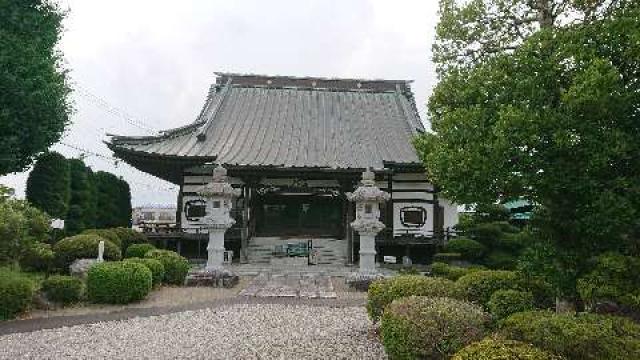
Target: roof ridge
[(322, 78)]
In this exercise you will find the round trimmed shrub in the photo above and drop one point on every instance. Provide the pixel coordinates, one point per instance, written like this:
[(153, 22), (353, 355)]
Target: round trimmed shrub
[(156, 267), (498, 349), (63, 289), (138, 250), (452, 272), (129, 237), (83, 247), (419, 327), (37, 257), (467, 248), (107, 234), (176, 267), (614, 278), (582, 336), (504, 303), (480, 285), (118, 282), (16, 293), (382, 292)]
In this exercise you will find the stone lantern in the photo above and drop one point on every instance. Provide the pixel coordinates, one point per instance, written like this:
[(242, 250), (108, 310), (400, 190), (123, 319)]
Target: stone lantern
[(218, 196), (367, 198)]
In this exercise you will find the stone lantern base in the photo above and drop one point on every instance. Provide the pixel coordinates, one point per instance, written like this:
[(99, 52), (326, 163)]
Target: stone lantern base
[(220, 277), (361, 280)]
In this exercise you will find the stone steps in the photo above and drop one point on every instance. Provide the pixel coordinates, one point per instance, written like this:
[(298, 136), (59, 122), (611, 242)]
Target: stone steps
[(331, 251)]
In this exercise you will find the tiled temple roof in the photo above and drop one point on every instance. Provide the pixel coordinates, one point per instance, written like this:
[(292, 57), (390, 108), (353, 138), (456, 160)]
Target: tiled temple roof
[(290, 122)]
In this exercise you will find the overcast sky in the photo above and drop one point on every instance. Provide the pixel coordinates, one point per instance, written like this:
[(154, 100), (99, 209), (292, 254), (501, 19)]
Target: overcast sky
[(151, 62)]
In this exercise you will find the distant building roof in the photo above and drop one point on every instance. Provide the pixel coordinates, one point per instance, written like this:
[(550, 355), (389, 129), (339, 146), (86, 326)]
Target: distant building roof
[(288, 122)]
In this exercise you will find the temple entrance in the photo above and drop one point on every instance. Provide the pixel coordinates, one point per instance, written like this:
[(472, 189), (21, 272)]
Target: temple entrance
[(299, 215)]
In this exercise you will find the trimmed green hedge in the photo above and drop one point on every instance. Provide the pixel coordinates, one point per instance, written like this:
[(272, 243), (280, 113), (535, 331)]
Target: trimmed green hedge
[(156, 267), (500, 260), (63, 289), (16, 293), (446, 257), (83, 247), (106, 234), (138, 250), (176, 267), (118, 282), (129, 237), (37, 257), (504, 303), (420, 327), (452, 272), (577, 337), (467, 248), (383, 292), (497, 349), (480, 285)]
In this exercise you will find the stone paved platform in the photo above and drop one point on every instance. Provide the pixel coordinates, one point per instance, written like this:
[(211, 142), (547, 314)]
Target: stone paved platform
[(291, 285)]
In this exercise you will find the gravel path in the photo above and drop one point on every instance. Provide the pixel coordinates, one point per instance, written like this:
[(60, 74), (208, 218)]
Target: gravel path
[(244, 331)]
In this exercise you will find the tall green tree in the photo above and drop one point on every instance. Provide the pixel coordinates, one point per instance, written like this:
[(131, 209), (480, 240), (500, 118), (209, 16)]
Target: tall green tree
[(82, 206), (470, 32), (20, 225), (552, 117), (113, 199), (49, 185), (34, 101)]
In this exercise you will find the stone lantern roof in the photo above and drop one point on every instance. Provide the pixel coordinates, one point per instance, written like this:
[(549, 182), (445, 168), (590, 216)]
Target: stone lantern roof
[(368, 191), (220, 187)]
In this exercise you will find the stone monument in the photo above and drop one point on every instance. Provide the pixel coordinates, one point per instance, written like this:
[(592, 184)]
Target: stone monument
[(218, 196), (367, 198), (101, 251)]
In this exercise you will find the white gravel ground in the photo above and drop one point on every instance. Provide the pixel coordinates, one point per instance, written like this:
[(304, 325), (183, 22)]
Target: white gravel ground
[(227, 332)]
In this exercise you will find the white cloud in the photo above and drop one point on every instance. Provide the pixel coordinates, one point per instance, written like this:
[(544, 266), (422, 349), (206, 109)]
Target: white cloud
[(155, 59)]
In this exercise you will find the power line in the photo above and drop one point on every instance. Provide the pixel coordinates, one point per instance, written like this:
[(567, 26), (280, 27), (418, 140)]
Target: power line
[(116, 161), (112, 110)]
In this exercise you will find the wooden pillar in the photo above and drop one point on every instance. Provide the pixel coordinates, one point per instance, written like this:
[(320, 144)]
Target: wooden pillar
[(347, 185)]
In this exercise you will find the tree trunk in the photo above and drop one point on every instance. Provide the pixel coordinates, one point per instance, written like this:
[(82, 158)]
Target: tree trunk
[(544, 13)]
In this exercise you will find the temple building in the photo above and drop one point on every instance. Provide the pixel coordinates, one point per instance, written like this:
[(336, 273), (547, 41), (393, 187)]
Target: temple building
[(295, 146)]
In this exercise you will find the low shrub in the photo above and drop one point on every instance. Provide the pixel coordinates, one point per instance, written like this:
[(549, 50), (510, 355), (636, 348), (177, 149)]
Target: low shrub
[(16, 293), (408, 270), (500, 260), (498, 349), (156, 267), (419, 327), (106, 234), (467, 248), (579, 337), (452, 272), (83, 247), (37, 257), (383, 292), (129, 237), (138, 250), (176, 267), (614, 278), (504, 303), (480, 285), (543, 293), (63, 289), (118, 282), (447, 257)]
